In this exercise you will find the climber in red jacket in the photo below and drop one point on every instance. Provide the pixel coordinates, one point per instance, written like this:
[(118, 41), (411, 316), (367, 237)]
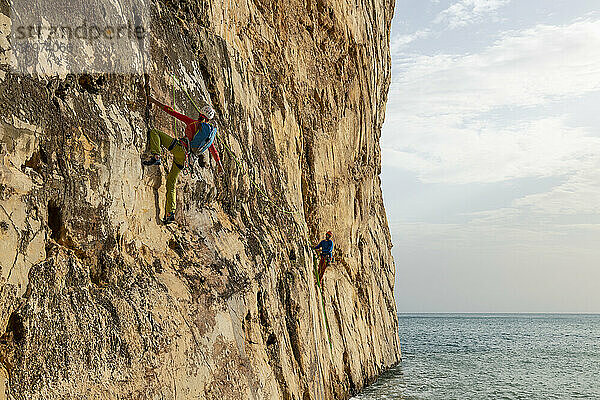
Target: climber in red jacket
[(199, 136)]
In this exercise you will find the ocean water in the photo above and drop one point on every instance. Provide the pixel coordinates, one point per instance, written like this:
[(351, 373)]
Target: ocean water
[(494, 356)]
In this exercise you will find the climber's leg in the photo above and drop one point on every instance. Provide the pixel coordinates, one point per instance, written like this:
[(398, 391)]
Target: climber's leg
[(157, 138), (321, 271), (178, 164), (322, 266)]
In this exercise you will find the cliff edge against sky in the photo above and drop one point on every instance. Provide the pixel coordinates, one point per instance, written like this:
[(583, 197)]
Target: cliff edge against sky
[(98, 300)]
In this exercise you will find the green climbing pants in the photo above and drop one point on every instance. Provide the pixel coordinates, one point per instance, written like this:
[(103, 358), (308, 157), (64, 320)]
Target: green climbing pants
[(157, 139)]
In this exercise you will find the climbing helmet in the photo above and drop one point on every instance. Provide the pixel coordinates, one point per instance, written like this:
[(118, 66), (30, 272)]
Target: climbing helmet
[(207, 111)]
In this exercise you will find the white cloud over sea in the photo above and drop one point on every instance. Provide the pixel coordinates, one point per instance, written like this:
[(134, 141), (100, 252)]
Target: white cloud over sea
[(466, 12), (440, 102), (492, 124)]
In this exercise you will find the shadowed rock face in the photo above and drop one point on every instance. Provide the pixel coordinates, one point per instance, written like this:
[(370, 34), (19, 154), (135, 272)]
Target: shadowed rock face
[(97, 300)]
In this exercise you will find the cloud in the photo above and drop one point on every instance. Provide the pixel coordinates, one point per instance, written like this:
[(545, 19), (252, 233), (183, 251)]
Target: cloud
[(522, 107), (480, 117), (505, 228), (579, 194), (475, 152), (463, 13), (467, 12), (399, 42), (521, 68)]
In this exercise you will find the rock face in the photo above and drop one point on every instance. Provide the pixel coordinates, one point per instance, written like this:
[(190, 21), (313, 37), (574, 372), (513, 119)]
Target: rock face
[(98, 300)]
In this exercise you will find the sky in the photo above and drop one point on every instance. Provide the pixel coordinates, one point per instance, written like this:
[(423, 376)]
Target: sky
[(491, 155)]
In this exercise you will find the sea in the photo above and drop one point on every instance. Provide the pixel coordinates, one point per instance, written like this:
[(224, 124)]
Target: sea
[(493, 356)]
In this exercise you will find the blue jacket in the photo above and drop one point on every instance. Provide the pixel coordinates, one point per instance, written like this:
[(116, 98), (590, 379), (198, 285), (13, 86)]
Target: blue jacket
[(326, 246)]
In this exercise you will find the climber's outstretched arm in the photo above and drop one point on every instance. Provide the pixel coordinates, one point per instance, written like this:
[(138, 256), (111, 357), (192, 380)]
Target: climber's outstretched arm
[(186, 120)]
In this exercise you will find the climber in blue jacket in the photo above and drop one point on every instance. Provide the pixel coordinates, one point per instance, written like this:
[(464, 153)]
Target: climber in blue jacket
[(326, 247)]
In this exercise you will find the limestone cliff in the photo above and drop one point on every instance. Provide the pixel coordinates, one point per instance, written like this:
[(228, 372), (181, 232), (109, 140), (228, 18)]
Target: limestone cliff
[(98, 300)]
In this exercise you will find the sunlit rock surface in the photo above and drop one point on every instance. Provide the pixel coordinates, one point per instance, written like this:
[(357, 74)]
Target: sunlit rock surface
[(98, 300)]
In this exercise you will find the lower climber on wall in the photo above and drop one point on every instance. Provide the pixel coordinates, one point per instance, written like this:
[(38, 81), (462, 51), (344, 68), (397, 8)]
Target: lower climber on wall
[(326, 247), (199, 136)]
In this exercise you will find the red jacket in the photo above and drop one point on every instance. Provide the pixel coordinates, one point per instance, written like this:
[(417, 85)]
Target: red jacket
[(191, 126)]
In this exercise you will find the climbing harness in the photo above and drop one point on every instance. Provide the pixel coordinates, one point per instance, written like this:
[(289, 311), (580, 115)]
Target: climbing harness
[(190, 165)]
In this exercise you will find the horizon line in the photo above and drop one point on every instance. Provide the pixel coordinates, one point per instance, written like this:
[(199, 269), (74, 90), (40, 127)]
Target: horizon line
[(502, 312)]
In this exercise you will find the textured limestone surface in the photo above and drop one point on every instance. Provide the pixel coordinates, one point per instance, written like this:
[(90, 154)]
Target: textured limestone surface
[(100, 301)]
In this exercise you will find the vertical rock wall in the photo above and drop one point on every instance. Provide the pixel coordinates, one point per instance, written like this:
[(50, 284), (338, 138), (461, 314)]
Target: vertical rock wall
[(97, 300)]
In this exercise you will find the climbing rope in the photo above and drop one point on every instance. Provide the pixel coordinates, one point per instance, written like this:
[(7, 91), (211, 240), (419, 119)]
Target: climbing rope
[(320, 387), (316, 269), (264, 194), (173, 102), (234, 157), (190, 165)]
